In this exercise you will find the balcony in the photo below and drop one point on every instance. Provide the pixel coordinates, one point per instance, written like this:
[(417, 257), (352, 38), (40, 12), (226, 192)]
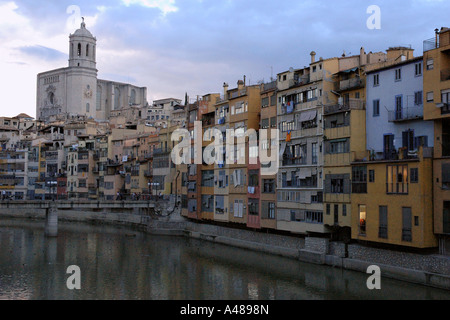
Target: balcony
[(237, 94), (148, 173), (445, 74), (351, 84), (436, 43), (221, 99), (406, 114), (344, 106)]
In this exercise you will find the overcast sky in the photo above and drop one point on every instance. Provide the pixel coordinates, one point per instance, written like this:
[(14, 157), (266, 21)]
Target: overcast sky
[(177, 46)]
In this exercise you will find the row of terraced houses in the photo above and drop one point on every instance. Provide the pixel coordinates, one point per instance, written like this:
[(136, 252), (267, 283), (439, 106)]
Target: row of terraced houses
[(364, 151), (364, 147)]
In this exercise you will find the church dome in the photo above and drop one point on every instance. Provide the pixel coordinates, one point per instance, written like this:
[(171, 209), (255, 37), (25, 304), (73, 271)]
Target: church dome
[(83, 32)]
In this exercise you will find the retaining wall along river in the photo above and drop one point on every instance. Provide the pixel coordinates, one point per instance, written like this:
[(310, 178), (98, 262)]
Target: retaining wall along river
[(430, 270)]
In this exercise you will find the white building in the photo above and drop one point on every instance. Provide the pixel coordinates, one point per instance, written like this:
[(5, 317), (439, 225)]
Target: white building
[(75, 90)]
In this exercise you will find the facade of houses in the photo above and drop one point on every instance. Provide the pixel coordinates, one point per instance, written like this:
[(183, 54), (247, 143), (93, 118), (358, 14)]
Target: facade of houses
[(436, 75)]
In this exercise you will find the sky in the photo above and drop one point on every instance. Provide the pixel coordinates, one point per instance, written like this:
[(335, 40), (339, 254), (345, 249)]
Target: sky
[(194, 46)]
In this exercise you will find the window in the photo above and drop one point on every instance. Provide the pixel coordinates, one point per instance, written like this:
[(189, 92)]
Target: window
[(207, 203), (337, 186), (383, 220), (445, 99), (220, 205), (265, 102), (265, 124), (328, 209), (338, 146), (359, 179), (271, 210), (430, 96), (273, 122), (253, 207), (418, 69), (344, 210), (362, 219), (398, 74), (315, 217), (414, 175), (314, 153), (371, 175), (376, 80), (208, 178), (397, 179), (88, 107), (446, 217), (269, 186), (223, 180), (376, 108), (418, 98), (253, 178), (430, 64), (238, 208), (407, 225), (446, 176)]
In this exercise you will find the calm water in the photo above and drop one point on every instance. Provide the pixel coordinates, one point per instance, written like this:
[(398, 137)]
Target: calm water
[(116, 266)]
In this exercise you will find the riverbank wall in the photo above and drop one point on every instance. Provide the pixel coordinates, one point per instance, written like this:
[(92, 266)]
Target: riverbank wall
[(429, 270)]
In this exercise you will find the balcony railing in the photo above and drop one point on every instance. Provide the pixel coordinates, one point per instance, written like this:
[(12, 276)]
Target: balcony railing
[(435, 43), (351, 104), (406, 114), (353, 83)]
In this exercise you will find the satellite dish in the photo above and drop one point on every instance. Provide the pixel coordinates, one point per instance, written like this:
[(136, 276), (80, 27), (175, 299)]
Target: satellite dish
[(291, 69)]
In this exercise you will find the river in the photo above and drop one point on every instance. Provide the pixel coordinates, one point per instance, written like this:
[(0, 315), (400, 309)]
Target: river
[(118, 263)]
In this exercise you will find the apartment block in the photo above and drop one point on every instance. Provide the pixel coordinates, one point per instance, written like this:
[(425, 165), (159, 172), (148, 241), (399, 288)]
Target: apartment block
[(436, 77)]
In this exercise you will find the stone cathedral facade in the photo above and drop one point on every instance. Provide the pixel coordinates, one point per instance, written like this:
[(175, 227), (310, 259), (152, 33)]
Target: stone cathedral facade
[(76, 90)]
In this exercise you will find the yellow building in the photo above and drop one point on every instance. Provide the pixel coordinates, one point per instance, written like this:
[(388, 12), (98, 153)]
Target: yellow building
[(436, 74), (391, 201)]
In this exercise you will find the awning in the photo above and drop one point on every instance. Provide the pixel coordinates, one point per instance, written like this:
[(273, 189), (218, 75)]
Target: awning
[(350, 70), (282, 149), (304, 173), (308, 116)]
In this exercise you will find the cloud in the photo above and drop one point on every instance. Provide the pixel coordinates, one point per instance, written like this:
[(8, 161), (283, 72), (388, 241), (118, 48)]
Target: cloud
[(44, 53), (166, 6), (176, 46)]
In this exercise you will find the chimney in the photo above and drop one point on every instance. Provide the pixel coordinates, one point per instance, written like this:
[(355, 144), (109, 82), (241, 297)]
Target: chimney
[(240, 85), (362, 57), (225, 89), (313, 57), (437, 37)]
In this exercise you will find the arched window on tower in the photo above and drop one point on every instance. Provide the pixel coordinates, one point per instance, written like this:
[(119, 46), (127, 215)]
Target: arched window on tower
[(116, 98), (87, 50), (99, 98), (79, 50), (51, 98), (71, 50), (88, 107), (133, 97)]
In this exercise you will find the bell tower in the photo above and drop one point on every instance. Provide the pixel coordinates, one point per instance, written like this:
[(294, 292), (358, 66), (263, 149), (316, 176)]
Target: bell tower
[(82, 51)]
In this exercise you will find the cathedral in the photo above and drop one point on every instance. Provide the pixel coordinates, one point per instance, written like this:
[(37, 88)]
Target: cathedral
[(76, 90)]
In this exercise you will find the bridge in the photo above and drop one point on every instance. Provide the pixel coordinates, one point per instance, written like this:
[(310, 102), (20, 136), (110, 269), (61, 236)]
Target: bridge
[(76, 204), (52, 207)]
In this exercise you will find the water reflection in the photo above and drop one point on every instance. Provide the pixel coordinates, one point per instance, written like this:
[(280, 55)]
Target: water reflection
[(120, 264)]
